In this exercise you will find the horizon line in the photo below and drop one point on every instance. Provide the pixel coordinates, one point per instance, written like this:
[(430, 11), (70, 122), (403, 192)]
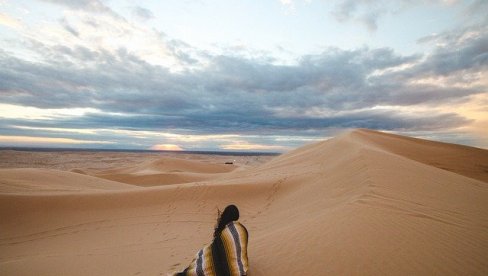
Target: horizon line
[(213, 152)]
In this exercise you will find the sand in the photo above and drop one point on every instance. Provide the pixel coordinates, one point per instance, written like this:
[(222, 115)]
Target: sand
[(362, 203)]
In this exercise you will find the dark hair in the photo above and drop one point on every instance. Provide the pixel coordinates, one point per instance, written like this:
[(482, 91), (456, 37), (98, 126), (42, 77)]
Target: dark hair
[(230, 213)]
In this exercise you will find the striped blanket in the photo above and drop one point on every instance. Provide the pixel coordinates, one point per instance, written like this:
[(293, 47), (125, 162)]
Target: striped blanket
[(226, 255)]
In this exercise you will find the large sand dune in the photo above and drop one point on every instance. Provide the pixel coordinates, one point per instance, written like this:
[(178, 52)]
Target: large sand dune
[(362, 203)]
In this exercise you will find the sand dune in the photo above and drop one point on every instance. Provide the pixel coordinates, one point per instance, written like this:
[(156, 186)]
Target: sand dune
[(362, 203), (464, 160), (166, 171), (156, 179), (35, 181)]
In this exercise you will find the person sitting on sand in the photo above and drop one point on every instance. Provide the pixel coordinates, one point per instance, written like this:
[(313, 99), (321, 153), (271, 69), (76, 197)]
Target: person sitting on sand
[(227, 254)]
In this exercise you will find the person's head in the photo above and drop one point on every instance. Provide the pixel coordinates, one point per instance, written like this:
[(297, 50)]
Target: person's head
[(230, 213)]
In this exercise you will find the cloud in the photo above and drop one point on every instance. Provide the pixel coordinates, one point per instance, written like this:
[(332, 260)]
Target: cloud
[(69, 28), (9, 21), (477, 8), (461, 50), (368, 12), (291, 122), (29, 140), (86, 5), (229, 93), (364, 11), (142, 13), (91, 63)]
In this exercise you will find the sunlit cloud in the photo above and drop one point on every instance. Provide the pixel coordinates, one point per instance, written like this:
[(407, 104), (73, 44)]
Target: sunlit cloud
[(9, 21), (59, 130), (10, 111), (103, 33), (27, 140)]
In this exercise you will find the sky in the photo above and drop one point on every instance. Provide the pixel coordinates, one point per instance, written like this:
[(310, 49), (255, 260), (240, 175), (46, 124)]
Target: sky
[(228, 75)]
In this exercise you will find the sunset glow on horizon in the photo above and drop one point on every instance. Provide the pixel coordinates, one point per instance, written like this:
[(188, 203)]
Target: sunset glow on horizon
[(169, 147)]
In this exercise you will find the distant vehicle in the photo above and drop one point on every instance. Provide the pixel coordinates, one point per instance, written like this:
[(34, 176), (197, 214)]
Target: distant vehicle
[(229, 163)]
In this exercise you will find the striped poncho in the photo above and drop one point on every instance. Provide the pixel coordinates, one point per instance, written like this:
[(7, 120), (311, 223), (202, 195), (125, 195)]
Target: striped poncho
[(225, 256)]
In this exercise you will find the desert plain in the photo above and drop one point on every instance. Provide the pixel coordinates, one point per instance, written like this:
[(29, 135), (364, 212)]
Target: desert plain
[(362, 203)]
